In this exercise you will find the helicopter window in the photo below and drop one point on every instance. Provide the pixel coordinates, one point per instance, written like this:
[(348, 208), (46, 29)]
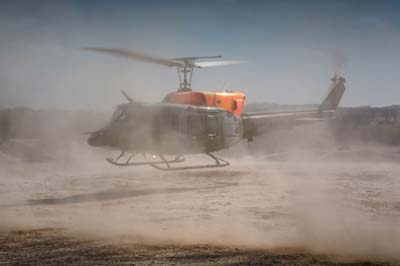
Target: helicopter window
[(119, 114), (212, 124), (175, 122), (195, 125)]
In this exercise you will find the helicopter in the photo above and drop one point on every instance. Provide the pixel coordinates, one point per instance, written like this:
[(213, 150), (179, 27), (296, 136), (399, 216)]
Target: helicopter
[(192, 122)]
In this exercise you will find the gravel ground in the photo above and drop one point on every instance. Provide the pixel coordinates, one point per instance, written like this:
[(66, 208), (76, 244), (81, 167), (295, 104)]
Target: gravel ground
[(52, 247)]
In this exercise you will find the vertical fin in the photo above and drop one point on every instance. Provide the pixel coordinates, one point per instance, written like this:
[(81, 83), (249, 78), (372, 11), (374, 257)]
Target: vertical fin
[(331, 102)]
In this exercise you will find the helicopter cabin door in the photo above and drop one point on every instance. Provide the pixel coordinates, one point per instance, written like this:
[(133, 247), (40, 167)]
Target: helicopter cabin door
[(204, 129)]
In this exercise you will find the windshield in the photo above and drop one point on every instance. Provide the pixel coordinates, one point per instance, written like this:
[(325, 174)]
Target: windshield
[(119, 114)]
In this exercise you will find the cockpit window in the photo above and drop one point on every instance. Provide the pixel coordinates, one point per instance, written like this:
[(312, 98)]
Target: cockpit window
[(119, 114)]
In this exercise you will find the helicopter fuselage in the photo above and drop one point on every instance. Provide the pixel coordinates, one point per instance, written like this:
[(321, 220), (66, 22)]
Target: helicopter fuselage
[(167, 128), (189, 122)]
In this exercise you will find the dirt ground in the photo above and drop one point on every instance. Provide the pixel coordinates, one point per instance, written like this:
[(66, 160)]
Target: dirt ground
[(52, 247), (331, 208)]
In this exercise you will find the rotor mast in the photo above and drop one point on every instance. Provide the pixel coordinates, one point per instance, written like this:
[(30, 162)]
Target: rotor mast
[(185, 71)]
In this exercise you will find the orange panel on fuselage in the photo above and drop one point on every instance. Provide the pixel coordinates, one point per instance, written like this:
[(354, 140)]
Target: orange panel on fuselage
[(186, 97), (230, 101)]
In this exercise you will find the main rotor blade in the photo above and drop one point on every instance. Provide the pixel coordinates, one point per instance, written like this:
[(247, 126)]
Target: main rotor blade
[(135, 56), (217, 63)]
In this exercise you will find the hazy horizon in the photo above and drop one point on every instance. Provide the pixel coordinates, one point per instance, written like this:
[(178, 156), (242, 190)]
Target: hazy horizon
[(292, 48)]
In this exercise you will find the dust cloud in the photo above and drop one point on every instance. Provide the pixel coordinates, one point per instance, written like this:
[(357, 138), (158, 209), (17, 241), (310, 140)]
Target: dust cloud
[(310, 193), (299, 189)]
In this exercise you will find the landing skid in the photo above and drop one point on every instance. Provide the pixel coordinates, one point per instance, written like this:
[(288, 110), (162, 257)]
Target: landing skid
[(177, 159), (166, 165), (218, 163)]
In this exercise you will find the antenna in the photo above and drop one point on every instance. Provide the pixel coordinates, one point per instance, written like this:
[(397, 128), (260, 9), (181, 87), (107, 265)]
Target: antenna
[(127, 96)]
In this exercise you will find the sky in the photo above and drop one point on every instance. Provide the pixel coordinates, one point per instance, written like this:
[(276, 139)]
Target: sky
[(292, 49)]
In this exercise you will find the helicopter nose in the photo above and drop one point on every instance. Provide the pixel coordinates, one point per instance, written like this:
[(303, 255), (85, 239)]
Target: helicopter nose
[(95, 139)]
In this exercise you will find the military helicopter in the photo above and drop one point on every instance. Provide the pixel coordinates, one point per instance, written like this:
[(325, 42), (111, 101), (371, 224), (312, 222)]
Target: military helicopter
[(191, 122)]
